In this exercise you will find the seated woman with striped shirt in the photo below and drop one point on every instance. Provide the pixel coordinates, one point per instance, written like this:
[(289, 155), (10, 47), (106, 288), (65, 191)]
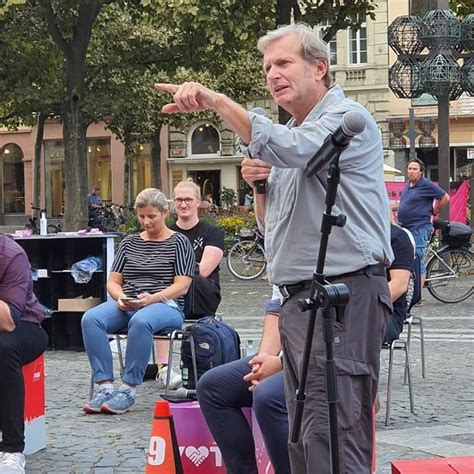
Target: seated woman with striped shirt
[(150, 275)]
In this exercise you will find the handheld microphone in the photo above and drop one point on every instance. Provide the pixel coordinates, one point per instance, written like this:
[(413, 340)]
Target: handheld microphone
[(260, 184), (352, 123), (185, 393)]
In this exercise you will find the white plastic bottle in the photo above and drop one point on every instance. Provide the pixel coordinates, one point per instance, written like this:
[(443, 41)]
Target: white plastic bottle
[(43, 224)]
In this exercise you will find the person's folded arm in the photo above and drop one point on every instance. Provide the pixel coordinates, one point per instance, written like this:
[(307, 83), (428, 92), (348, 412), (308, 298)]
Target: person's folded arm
[(6, 321), (115, 285), (211, 257), (398, 284), (179, 288)]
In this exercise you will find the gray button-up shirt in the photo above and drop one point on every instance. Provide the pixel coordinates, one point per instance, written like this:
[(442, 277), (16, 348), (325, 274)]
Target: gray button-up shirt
[(295, 204)]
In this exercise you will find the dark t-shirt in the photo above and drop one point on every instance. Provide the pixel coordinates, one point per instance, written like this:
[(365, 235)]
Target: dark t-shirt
[(16, 284), (200, 236), (403, 260), (416, 203)]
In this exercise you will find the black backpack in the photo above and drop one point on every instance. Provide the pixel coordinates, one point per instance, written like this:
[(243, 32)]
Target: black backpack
[(215, 343)]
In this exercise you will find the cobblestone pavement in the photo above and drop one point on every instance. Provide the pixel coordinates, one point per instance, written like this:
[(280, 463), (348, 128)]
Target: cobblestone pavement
[(442, 425)]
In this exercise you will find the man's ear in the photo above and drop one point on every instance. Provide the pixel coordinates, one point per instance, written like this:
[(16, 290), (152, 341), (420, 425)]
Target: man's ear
[(321, 69)]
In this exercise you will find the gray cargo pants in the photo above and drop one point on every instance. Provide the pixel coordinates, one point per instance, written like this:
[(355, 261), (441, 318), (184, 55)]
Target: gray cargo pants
[(357, 344)]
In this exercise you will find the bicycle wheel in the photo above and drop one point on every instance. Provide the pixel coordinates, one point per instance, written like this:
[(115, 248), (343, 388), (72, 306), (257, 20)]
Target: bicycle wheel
[(450, 275), (246, 260)]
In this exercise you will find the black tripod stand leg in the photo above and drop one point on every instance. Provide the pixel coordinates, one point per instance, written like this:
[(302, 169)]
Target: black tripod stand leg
[(331, 389)]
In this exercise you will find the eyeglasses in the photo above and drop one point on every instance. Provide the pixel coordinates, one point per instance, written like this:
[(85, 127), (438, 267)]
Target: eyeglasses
[(187, 201)]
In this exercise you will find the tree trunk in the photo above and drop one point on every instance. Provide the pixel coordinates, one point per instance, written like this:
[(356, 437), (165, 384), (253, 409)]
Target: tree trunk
[(284, 10), (75, 154), (37, 162), (155, 151), (127, 175)]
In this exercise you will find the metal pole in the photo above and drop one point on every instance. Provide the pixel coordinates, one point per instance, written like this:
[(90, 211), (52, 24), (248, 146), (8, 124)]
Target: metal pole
[(411, 134), (443, 148), (443, 136)]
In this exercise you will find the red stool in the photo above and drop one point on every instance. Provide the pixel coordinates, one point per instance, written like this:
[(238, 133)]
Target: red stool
[(457, 465)]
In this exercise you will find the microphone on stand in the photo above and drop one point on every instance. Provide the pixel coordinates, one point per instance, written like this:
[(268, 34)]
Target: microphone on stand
[(260, 184), (352, 123)]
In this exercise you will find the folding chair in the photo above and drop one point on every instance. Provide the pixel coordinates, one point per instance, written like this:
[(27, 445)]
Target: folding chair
[(415, 320), (398, 344), (413, 296)]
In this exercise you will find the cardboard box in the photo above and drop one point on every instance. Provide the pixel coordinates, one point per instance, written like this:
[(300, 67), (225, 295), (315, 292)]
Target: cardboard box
[(34, 415), (199, 452), (77, 304), (460, 465)]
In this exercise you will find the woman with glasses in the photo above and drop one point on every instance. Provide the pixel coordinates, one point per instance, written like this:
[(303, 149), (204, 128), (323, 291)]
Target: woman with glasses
[(150, 275)]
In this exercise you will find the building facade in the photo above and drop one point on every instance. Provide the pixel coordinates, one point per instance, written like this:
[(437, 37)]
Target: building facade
[(206, 152)]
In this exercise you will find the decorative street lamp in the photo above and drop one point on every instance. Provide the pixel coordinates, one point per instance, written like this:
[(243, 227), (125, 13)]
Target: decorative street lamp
[(438, 73), (426, 126)]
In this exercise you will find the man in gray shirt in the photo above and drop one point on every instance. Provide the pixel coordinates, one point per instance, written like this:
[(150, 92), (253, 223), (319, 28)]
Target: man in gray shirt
[(295, 63)]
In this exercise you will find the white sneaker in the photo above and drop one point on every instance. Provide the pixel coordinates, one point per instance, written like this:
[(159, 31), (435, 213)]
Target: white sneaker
[(175, 379), (12, 463)]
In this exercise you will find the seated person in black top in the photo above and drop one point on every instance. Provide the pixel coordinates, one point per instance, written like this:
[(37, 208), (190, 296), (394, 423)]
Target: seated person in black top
[(22, 340), (208, 244), (399, 275)]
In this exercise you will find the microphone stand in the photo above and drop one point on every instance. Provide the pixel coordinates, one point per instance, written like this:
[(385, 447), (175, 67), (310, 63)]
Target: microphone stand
[(330, 299)]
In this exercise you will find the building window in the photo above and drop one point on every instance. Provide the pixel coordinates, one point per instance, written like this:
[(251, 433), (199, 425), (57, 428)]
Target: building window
[(332, 43), (13, 177), (205, 140), (141, 169), (358, 44), (98, 166)]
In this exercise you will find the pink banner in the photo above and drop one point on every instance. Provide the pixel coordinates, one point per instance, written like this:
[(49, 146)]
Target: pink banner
[(457, 204), (199, 452)]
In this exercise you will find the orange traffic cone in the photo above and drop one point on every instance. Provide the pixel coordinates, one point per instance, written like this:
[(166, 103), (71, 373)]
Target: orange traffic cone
[(163, 451)]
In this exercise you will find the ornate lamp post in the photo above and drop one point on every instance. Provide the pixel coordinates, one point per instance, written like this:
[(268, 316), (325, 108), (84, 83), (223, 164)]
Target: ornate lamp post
[(437, 73)]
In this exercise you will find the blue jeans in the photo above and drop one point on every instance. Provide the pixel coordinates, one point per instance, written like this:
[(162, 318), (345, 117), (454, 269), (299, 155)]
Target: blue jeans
[(108, 318), (222, 393), (422, 236)]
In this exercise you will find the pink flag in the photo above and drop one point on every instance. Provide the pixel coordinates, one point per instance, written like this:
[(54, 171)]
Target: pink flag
[(458, 203)]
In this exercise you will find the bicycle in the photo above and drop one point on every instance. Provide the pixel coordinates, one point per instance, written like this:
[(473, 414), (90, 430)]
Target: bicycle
[(33, 223), (450, 269), (108, 217), (246, 258)]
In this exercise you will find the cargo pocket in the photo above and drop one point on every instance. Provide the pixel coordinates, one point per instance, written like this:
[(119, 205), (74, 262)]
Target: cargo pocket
[(353, 383), (386, 302)]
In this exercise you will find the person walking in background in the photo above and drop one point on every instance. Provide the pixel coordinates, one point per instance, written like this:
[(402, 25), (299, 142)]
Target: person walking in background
[(150, 275), (22, 340), (416, 209)]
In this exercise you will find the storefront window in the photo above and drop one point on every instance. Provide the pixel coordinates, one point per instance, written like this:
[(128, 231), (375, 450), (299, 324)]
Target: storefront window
[(99, 172), (141, 169), (100, 167), (13, 178)]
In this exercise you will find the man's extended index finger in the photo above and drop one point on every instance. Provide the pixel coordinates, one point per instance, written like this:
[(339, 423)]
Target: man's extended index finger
[(171, 88)]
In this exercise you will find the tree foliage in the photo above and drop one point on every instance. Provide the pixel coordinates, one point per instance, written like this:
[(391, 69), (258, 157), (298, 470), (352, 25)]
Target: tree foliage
[(88, 60)]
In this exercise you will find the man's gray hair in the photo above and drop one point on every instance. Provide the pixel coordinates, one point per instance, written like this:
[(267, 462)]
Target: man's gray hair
[(151, 197), (312, 48), (190, 185)]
